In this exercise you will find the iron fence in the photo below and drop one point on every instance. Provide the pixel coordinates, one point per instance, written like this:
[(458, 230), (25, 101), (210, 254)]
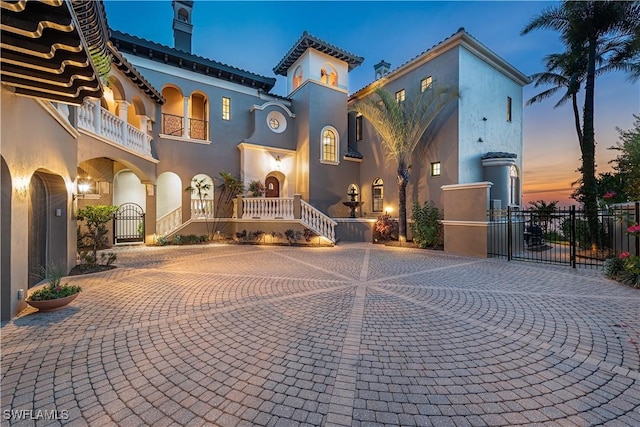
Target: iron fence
[(562, 236)]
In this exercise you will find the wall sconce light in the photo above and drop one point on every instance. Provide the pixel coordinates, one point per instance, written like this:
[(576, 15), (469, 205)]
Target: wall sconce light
[(278, 162), (480, 140), (484, 119), (83, 189), (21, 186)]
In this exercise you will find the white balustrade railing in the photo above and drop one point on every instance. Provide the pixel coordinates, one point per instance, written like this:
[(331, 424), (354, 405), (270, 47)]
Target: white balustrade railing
[(101, 121), (267, 208), (86, 116), (201, 209), (169, 222), (317, 221), (110, 126)]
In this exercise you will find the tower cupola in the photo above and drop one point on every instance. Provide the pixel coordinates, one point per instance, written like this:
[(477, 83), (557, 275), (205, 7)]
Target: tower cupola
[(182, 27), (381, 68)]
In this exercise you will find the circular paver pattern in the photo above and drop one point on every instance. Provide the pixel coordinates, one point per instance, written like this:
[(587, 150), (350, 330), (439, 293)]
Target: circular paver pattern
[(352, 335)]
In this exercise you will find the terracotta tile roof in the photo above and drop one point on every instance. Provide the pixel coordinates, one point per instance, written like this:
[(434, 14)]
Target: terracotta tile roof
[(309, 41)]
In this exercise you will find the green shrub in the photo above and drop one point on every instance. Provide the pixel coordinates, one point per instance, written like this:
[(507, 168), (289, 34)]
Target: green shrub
[(426, 227)]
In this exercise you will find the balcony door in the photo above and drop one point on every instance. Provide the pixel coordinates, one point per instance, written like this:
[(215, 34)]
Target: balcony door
[(272, 187)]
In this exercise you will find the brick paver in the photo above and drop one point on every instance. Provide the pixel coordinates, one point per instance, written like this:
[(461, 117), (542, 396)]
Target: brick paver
[(352, 335)]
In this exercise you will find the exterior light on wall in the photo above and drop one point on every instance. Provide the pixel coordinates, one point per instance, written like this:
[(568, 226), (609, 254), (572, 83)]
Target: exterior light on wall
[(83, 188), (278, 162), (480, 140), (21, 185)]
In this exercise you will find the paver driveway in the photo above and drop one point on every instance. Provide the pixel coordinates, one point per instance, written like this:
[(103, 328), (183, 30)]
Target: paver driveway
[(351, 335)]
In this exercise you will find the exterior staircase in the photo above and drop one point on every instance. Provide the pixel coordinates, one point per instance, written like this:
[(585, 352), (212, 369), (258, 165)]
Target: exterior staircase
[(285, 209)]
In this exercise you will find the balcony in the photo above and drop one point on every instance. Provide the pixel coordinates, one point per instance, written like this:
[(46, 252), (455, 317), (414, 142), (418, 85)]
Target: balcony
[(174, 126), (100, 121)]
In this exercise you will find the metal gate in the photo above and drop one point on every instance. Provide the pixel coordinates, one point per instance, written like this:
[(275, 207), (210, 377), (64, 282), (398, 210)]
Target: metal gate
[(128, 224), (562, 236)]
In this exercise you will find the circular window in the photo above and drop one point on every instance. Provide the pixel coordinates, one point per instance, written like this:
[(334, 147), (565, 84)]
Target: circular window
[(276, 122)]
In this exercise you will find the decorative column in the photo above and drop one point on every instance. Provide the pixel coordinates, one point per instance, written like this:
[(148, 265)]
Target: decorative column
[(123, 107), (97, 117), (185, 128)]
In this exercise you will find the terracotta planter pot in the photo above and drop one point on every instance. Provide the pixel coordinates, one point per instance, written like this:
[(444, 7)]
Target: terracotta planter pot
[(52, 304)]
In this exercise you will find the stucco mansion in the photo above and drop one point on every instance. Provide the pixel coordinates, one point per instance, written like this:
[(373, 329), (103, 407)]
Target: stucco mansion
[(163, 116)]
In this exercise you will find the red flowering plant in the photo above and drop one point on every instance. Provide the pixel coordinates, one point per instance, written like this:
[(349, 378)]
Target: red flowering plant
[(624, 268), (634, 230), (385, 226)]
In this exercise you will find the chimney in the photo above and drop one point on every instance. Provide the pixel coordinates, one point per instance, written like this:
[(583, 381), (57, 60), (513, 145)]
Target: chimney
[(182, 27), (381, 68)]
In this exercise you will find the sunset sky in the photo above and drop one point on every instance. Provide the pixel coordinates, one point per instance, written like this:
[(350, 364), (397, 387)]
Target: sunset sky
[(255, 35)]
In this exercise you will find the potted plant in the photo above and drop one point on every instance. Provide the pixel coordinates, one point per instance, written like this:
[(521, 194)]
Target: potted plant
[(53, 295), (256, 188)]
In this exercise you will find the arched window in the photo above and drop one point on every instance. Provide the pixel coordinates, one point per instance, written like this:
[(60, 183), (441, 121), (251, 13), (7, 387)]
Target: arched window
[(183, 15), (172, 112), (198, 128), (377, 191), (297, 77), (329, 145), (514, 186), (328, 75)]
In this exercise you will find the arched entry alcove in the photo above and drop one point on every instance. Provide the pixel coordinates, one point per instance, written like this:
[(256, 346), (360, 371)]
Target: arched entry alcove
[(169, 193), (47, 219), (275, 185), (202, 187), (6, 188), (127, 188)]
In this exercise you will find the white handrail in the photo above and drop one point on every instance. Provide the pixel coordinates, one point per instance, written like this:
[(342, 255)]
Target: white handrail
[(267, 208), (169, 222), (202, 209), (101, 121), (317, 221)]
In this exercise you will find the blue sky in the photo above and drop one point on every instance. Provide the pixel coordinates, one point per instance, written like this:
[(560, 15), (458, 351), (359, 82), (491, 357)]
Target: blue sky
[(255, 35)]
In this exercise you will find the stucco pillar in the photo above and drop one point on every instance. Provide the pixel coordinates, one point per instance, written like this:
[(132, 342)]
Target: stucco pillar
[(185, 128), (97, 117), (123, 107), (144, 120), (237, 207), (297, 206), (465, 218), (150, 214)]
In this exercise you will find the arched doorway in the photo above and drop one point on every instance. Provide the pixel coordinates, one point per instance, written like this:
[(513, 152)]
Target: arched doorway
[(6, 188), (37, 227), (272, 187), (47, 221)]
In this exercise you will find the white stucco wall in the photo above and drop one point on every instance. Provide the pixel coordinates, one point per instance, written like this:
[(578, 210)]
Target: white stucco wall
[(483, 94)]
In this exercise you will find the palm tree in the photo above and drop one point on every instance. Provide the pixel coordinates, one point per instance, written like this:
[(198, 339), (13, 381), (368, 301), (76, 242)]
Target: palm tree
[(201, 187), (588, 29), (401, 126), (564, 73)]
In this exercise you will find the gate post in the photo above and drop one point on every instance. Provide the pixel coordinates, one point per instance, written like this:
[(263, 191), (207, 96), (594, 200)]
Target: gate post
[(509, 235), (466, 222), (572, 236)]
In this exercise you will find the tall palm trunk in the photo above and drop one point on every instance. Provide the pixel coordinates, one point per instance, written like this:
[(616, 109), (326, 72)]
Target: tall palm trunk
[(576, 118), (588, 148), (403, 180)]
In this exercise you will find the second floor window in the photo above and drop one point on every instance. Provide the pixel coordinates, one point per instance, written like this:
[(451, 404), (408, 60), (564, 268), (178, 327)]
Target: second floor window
[(329, 146), (226, 108), (359, 128), (426, 83), (509, 108), (400, 96), (377, 190)]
